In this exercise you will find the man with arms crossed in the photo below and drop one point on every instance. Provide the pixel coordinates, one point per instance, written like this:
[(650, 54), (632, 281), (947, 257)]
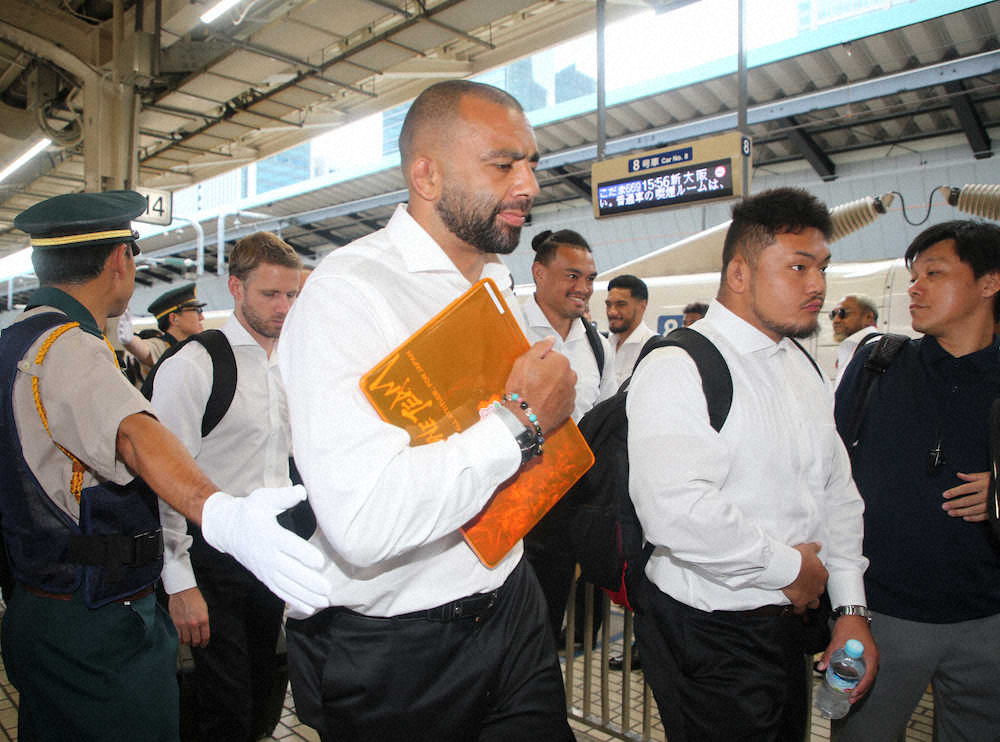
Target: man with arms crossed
[(750, 523), (421, 641), (921, 459), (230, 619)]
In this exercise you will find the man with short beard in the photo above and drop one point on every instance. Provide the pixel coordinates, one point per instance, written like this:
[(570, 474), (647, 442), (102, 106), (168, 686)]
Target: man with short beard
[(421, 640), (227, 616), (751, 522)]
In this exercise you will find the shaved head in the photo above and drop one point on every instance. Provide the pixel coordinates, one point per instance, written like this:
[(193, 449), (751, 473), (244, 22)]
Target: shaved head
[(436, 111)]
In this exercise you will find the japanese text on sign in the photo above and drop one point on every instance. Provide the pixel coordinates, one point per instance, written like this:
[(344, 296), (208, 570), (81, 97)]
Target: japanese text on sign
[(680, 185)]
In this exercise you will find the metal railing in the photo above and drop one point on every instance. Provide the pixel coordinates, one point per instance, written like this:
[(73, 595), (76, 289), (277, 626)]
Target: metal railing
[(611, 711)]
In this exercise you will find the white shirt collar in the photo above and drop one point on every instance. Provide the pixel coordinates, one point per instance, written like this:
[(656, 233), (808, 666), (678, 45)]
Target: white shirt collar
[(744, 337), (423, 254)]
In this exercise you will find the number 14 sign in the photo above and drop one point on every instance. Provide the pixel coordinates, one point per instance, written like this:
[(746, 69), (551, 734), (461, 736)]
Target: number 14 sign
[(159, 207)]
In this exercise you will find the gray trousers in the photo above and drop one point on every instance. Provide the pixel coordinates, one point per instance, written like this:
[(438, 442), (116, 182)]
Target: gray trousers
[(960, 660)]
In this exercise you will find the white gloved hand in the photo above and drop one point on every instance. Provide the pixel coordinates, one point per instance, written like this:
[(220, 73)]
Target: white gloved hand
[(247, 528), (125, 333)]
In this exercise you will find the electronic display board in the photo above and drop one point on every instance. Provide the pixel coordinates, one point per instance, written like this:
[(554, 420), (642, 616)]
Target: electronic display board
[(681, 174)]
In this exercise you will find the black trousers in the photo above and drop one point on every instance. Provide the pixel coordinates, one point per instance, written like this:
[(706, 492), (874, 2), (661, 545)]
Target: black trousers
[(549, 550), (234, 674), (721, 676), (484, 671)]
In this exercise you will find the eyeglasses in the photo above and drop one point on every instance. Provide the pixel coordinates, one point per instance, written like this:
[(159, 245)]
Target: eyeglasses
[(199, 310), (839, 312)]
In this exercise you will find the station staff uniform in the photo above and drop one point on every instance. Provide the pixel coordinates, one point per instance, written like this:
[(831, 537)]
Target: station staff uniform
[(422, 641), (89, 662), (175, 300)]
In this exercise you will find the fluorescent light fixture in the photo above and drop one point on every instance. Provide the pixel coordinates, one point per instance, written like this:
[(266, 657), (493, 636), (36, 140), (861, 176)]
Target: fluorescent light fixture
[(217, 10), (16, 164)]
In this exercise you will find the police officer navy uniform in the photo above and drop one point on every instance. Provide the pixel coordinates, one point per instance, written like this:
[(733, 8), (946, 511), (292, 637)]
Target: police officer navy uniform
[(83, 639)]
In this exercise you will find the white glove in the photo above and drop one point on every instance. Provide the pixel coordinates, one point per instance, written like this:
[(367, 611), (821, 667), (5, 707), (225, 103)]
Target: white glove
[(247, 528), (125, 333)]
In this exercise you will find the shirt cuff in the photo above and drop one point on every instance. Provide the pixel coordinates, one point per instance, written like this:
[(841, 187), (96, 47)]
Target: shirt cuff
[(783, 568), (846, 588), (177, 574), (497, 437)]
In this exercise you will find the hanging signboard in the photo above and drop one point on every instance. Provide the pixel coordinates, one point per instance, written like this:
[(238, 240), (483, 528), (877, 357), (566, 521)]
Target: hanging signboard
[(159, 207), (679, 174)]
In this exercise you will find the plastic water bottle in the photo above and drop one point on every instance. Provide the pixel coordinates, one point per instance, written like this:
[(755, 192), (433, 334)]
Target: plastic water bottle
[(844, 673)]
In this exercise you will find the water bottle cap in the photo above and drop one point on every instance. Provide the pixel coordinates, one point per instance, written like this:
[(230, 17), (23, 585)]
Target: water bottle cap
[(854, 648)]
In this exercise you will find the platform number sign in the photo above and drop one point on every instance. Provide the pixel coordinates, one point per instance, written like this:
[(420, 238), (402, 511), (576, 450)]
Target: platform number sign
[(159, 207)]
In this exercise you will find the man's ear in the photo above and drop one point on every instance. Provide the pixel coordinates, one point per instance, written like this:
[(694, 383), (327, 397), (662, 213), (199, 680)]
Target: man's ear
[(737, 276), (119, 258), (537, 272), (426, 178), (235, 286), (990, 284)]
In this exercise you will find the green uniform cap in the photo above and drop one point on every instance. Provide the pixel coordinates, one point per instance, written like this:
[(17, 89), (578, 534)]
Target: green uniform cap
[(82, 219), (174, 300)]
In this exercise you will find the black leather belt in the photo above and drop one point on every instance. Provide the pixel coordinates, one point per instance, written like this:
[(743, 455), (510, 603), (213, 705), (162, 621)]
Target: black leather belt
[(765, 611), (475, 607)]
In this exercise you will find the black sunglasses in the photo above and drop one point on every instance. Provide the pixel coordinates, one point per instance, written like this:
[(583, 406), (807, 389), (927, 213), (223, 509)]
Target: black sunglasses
[(839, 312)]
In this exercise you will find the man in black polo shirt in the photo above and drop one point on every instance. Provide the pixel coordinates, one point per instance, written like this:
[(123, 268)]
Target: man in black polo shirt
[(920, 460)]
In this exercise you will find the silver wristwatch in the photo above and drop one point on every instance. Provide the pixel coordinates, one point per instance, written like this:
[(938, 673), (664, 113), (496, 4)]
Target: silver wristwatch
[(526, 439), (853, 610)]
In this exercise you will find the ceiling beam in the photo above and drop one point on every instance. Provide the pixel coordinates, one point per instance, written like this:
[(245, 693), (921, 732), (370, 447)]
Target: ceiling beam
[(968, 117), (807, 147)]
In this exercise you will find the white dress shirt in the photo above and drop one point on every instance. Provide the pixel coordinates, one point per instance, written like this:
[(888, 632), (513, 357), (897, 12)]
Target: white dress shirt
[(389, 514), (591, 385), (725, 509), (623, 357), (847, 348), (249, 448)]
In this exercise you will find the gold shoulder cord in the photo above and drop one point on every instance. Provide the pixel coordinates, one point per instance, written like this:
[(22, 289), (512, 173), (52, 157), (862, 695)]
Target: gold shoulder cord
[(76, 482)]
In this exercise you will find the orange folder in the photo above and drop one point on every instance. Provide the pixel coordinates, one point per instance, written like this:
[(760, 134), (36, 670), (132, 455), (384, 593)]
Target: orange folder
[(436, 383)]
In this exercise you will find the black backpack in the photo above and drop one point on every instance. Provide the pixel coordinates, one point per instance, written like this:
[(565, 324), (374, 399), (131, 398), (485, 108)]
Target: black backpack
[(607, 537), (223, 375)]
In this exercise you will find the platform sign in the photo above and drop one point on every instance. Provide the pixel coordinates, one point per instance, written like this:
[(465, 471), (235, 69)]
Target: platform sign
[(681, 174), (159, 207), (667, 323)]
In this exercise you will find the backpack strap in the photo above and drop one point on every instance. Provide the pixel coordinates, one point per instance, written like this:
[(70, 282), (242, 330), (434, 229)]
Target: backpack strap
[(883, 354), (223, 375), (595, 344), (716, 381), (809, 356), (869, 338)]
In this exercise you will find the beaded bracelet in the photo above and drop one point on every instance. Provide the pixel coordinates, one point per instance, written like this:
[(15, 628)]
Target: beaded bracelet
[(532, 418)]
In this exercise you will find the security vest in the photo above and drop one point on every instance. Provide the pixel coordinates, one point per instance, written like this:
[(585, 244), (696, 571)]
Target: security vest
[(116, 549)]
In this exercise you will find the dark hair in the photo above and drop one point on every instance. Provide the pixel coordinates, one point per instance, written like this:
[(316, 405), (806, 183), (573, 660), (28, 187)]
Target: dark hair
[(696, 307), (976, 243), (164, 322), (635, 285), (70, 265), (437, 106), (261, 247), (757, 220), (546, 243)]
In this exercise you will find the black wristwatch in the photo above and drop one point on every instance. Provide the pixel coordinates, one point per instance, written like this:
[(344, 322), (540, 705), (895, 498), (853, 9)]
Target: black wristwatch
[(853, 610), (525, 437)]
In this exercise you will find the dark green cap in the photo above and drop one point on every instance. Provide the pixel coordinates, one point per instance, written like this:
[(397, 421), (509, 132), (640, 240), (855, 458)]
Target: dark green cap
[(174, 300), (82, 219)]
